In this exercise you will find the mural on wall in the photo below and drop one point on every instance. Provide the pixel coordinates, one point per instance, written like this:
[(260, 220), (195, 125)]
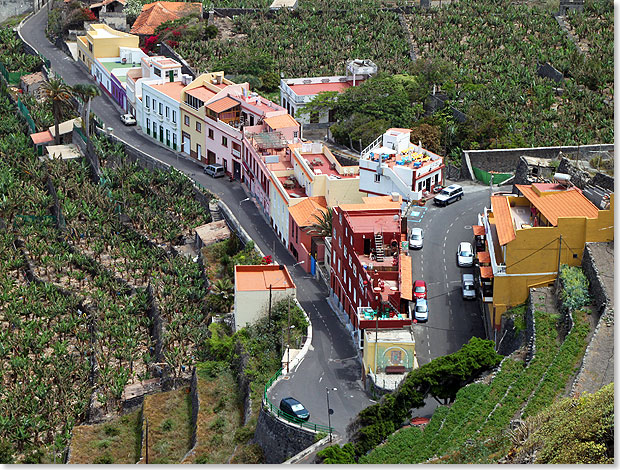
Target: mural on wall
[(395, 356)]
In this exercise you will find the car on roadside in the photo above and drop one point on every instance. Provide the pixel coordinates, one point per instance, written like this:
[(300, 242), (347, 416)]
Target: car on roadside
[(294, 408), (128, 119), (448, 195), (215, 170), (416, 238), (419, 289), (465, 255), (420, 313), (468, 287)]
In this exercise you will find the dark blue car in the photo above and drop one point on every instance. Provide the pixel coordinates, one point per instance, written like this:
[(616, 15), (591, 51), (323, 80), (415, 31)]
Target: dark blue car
[(293, 408)]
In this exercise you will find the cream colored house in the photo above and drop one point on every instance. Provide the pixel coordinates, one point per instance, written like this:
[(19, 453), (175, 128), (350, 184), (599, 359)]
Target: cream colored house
[(252, 288)]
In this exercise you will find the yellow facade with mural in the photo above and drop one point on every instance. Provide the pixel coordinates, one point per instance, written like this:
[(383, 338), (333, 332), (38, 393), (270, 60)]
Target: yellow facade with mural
[(103, 41), (529, 236), (393, 348)]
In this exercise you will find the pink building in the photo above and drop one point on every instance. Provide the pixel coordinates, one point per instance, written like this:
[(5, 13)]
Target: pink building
[(305, 246)]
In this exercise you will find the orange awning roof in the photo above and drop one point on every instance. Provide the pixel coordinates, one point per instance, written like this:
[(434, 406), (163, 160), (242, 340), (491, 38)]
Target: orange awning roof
[(282, 121), (478, 230), (484, 256), (556, 204), (503, 219), (486, 272), (406, 277), (223, 104), (42, 137)]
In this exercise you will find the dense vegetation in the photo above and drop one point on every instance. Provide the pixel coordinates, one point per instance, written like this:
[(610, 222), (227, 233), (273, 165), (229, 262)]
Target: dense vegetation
[(441, 378)]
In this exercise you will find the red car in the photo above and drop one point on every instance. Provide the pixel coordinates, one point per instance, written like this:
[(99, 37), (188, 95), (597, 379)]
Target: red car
[(419, 289)]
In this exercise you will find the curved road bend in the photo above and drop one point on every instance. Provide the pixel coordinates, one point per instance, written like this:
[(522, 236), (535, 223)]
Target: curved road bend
[(331, 361)]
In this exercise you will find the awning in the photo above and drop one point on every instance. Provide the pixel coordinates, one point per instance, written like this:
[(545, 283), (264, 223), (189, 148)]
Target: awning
[(486, 272), (478, 230), (484, 256), (384, 150), (42, 137), (406, 277)]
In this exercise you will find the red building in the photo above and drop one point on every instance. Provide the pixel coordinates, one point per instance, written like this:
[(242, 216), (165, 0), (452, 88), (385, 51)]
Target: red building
[(305, 246), (369, 276)]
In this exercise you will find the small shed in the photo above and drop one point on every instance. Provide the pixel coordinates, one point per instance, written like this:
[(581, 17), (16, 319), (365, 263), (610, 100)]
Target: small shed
[(65, 152), (211, 233), (31, 83)]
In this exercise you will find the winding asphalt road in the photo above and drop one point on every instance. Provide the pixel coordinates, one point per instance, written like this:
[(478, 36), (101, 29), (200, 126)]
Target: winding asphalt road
[(332, 360)]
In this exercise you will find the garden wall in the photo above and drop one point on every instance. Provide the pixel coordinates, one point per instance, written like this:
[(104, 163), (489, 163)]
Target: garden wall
[(167, 51), (510, 341), (279, 440), (597, 290), (506, 160)]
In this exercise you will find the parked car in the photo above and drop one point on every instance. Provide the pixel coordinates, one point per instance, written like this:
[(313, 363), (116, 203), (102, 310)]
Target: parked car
[(294, 408), (419, 289), (416, 238), (468, 287), (465, 255), (448, 195), (215, 169), (421, 310), (128, 119)]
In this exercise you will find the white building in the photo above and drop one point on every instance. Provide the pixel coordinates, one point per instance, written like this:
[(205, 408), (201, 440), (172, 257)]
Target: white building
[(393, 164), (296, 92), (253, 285)]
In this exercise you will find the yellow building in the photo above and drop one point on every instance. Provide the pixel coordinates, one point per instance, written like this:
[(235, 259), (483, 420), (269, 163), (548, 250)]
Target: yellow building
[(528, 236), (103, 41), (389, 355)]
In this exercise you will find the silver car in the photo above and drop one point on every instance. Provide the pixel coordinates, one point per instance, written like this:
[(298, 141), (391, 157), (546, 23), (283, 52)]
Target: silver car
[(465, 255), (468, 287), (416, 238), (421, 310)]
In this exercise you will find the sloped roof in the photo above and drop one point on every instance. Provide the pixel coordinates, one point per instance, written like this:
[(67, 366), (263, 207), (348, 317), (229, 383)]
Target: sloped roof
[(478, 229), (223, 104), (202, 93), (154, 14), (33, 78), (503, 219), (42, 137), (564, 203), (279, 122), (303, 212)]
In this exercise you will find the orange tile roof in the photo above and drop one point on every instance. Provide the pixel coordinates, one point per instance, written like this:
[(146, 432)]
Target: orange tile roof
[(478, 229), (316, 88), (303, 213), (556, 204), (171, 89), (223, 104), (154, 14), (256, 278), (373, 203), (42, 137), (486, 272), (202, 93), (406, 277), (398, 129), (279, 122), (503, 219), (134, 74)]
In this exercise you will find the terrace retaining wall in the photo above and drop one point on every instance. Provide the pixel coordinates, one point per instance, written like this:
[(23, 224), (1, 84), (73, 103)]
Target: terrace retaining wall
[(280, 440), (506, 160)]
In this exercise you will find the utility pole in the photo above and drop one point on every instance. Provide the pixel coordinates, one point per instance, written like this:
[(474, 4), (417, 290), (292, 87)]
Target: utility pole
[(557, 279), (288, 336), (147, 440), (376, 340), (270, 304)]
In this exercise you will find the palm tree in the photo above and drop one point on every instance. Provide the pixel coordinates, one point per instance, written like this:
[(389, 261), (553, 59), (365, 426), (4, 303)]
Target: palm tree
[(60, 94), (224, 289), (86, 92), (323, 225)]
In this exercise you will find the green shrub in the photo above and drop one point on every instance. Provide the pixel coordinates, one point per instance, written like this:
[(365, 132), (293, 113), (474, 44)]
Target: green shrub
[(167, 425), (110, 430), (104, 459), (338, 455), (574, 293)]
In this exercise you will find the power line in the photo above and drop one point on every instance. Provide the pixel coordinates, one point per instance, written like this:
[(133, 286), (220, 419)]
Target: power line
[(533, 253)]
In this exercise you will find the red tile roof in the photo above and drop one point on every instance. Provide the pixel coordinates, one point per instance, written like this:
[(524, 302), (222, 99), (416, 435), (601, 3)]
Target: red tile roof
[(486, 272), (303, 213), (255, 278), (154, 14), (223, 104), (279, 122), (503, 219), (316, 88), (564, 203), (484, 256), (478, 229), (42, 137)]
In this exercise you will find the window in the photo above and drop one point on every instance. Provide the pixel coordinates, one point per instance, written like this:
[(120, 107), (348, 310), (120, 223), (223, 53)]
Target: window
[(211, 134), (90, 47), (295, 133), (354, 270), (340, 242), (157, 71), (346, 232), (198, 126), (167, 112), (174, 116), (148, 126), (148, 101), (377, 178), (187, 120), (161, 108), (350, 261), (174, 141), (338, 264), (154, 105), (340, 218), (224, 141), (345, 251)]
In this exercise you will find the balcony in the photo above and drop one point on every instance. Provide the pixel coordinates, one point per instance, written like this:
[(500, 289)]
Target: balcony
[(388, 318), (147, 110)]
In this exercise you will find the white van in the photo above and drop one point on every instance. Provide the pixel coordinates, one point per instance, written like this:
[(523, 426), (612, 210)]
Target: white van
[(448, 195), (215, 169)]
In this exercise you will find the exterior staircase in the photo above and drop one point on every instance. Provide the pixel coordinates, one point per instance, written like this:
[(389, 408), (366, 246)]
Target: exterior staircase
[(379, 246)]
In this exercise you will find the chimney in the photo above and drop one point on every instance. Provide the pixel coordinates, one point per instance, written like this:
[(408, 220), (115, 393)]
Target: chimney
[(395, 197)]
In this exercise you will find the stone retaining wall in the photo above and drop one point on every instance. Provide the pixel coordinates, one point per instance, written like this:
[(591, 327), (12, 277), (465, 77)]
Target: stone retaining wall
[(280, 440)]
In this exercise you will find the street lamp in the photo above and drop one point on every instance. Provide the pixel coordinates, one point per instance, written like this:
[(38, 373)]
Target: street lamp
[(330, 412), (243, 200)]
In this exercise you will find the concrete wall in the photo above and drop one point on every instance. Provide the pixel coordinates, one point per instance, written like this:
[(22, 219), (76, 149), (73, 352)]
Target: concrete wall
[(506, 160), (280, 440), (252, 305)]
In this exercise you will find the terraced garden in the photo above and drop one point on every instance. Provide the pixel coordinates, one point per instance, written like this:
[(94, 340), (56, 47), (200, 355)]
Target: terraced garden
[(472, 428)]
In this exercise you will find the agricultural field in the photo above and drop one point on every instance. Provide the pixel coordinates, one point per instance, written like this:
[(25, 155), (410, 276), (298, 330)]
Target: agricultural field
[(495, 47), (317, 39)]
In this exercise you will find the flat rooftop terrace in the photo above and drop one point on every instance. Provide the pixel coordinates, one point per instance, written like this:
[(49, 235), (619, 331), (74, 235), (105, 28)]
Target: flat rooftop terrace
[(319, 161)]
